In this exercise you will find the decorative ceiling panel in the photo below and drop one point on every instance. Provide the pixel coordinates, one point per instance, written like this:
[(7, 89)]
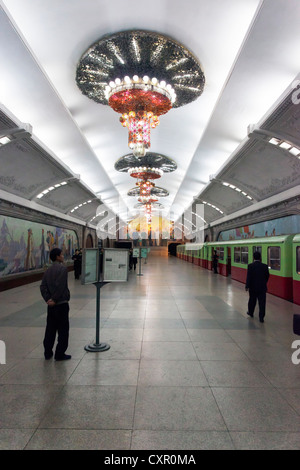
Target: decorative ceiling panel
[(263, 172), (224, 198), (65, 198), (285, 119), (26, 169), (88, 211)]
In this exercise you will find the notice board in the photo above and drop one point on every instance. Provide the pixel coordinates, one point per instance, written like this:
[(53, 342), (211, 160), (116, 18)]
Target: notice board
[(90, 265), (115, 265)]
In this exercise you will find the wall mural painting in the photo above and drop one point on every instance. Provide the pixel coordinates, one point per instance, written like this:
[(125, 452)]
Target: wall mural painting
[(25, 245), (144, 233), (269, 228)]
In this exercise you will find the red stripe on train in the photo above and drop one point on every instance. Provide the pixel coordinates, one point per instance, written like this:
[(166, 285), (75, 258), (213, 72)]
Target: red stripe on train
[(296, 292), (277, 285)]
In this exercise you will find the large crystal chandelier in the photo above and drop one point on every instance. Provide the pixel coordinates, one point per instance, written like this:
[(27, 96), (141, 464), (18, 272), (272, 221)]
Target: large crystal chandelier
[(141, 75), (140, 101)]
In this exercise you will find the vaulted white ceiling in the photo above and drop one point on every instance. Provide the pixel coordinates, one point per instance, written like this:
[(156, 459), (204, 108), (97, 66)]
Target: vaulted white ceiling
[(248, 50)]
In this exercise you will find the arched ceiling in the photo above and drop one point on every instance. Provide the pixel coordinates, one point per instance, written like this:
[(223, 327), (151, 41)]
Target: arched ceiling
[(249, 53)]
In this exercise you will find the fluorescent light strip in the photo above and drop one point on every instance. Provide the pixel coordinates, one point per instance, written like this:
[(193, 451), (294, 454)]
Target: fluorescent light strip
[(214, 207), (231, 186), (5, 140), (199, 217), (294, 151), (51, 188), (80, 205), (286, 146)]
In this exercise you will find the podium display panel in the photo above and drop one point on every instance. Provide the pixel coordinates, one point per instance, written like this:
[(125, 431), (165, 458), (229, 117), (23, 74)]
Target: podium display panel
[(90, 266), (136, 252), (115, 265)]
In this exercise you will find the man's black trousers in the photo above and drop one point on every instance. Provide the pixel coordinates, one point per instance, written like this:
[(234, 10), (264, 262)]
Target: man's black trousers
[(253, 297), (57, 322)]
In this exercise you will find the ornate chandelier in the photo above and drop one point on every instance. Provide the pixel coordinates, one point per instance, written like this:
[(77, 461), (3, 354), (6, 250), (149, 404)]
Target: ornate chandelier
[(141, 75), (140, 101), (145, 169)]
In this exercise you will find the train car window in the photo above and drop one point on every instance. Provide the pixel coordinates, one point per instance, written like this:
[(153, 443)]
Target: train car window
[(244, 256), (274, 257), (257, 248), (298, 259), (221, 253), (237, 254)]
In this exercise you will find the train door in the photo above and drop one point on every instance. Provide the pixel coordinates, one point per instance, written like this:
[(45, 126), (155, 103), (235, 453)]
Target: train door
[(229, 260)]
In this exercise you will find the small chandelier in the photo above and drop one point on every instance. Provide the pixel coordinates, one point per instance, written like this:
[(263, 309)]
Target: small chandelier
[(145, 169), (144, 174), (141, 75)]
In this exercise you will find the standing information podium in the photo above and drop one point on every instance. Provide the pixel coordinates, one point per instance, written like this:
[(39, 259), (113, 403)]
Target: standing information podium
[(115, 264), (140, 253)]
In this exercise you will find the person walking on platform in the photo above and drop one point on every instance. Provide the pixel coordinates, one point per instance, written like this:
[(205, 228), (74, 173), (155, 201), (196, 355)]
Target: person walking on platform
[(77, 258), (215, 262), (134, 261), (256, 283), (55, 292), (130, 260)]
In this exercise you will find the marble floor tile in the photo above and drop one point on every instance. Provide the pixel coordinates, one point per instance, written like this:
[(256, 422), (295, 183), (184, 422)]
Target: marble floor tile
[(177, 408), (92, 407), (181, 440), (255, 409), (78, 439), (186, 368)]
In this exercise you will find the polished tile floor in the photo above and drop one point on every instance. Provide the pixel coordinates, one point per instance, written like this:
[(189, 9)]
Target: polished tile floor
[(186, 369)]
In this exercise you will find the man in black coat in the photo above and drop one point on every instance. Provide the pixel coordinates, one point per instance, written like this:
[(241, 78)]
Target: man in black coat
[(256, 283), (55, 292)]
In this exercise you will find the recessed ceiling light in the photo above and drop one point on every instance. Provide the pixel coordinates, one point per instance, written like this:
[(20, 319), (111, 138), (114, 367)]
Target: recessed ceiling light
[(4, 140), (274, 141), (285, 145), (294, 150)]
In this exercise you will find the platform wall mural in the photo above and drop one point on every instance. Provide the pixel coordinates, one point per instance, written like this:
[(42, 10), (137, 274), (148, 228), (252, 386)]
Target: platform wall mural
[(281, 226), (25, 245)]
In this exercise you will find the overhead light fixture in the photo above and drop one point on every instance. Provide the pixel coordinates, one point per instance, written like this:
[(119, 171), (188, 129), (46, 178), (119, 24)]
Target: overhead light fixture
[(274, 141), (144, 169), (238, 190), (141, 75), (213, 206), (154, 191), (286, 146), (80, 205), (15, 133), (294, 151), (5, 140), (51, 188)]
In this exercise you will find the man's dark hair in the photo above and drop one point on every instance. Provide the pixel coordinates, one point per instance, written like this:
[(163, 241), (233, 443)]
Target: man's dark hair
[(257, 256), (54, 253)]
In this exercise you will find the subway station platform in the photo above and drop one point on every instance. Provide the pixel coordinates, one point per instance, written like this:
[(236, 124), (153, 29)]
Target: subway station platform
[(186, 369)]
